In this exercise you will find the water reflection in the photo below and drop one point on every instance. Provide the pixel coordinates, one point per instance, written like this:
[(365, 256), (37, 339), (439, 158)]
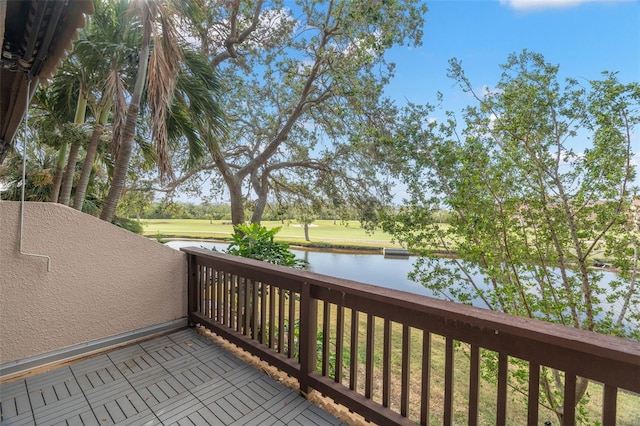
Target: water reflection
[(367, 268), (370, 268)]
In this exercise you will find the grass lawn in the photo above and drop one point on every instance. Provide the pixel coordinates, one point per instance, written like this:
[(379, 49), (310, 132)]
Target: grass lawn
[(321, 232)]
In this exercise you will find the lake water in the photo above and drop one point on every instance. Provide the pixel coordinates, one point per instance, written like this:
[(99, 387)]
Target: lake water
[(367, 268)]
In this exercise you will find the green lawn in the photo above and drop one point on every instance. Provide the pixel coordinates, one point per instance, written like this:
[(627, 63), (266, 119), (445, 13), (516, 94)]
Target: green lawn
[(321, 232)]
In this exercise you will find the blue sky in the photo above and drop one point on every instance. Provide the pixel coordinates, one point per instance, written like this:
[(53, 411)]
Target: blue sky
[(583, 37)]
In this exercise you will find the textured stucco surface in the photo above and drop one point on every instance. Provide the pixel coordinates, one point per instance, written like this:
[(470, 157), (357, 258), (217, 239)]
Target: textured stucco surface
[(103, 280)]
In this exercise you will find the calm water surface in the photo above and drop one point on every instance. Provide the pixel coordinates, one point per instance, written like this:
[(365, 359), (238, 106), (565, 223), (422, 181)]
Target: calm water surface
[(366, 268)]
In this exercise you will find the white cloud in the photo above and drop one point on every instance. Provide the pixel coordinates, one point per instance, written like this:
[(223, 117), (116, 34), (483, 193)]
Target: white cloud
[(527, 5)]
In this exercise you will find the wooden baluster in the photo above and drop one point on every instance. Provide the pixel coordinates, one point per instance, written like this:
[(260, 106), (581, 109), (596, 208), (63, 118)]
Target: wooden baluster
[(368, 379), (339, 343), (247, 307), (212, 291), (281, 316), (242, 288), (326, 330), (254, 310), (232, 301), (208, 289), (406, 367), (569, 415), (474, 384), (534, 394), (609, 405), (386, 364), (448, 381), (292, 324), (272, 315), (222, 276), (353, 351), (263, 312), (503, 364), (308, 336), (426, 377)]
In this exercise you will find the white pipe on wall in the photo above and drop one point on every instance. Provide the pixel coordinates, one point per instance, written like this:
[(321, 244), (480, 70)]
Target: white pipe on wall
[(24, 182)]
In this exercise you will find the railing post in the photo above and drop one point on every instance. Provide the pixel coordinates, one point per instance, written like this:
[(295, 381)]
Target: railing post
[(308, 337), (192, 284)]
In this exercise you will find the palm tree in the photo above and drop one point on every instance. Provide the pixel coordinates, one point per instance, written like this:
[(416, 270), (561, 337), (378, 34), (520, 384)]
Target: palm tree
[(90, 156), (181, 97), (67, 178), (38, 176), (108, 66), (53, 104), (162, 77), (108, 45)]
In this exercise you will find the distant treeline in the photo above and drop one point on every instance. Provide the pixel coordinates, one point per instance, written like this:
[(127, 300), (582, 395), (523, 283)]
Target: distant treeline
[(176, 210), (179, 210)]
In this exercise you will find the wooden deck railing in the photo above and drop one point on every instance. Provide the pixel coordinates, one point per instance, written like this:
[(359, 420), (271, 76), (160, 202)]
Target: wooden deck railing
[(388, 355)]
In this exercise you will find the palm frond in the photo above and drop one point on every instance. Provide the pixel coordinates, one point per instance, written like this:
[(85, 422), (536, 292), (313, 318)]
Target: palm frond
[(180, 124), (164, 66)]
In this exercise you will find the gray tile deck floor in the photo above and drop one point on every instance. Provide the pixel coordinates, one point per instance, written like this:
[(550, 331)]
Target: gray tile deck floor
[(181, 378)]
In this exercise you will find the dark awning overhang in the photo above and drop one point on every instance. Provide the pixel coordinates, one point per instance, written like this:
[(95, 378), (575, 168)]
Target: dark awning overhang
[(36, 34)]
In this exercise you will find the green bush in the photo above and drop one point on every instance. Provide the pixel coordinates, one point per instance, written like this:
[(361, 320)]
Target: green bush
[(257, 242), (132, 225)]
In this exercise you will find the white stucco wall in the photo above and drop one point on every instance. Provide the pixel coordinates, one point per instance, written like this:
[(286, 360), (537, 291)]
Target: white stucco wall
[(103, 281)]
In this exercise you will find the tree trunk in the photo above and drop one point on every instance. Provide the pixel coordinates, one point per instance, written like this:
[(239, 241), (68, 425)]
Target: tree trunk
[(57, 177), (126, 144), (237, 205), (121, 166), (67, 179), (306, 232), (234, 183), (87, 166), (261, 188)]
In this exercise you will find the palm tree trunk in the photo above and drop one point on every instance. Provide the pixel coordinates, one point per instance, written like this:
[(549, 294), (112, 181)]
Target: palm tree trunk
[(87, 166), (126, 144), (57, 177), (67, 179), (121, 166)]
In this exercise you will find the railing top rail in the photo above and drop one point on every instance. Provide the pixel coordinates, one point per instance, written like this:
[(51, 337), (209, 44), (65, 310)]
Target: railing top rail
[(611, 347)]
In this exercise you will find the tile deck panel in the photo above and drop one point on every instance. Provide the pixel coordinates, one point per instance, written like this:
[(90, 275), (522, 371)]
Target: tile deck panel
[(178, 379)]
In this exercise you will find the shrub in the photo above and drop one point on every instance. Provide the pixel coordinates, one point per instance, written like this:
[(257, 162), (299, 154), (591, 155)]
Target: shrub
[(132, 225), (257, 242)]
